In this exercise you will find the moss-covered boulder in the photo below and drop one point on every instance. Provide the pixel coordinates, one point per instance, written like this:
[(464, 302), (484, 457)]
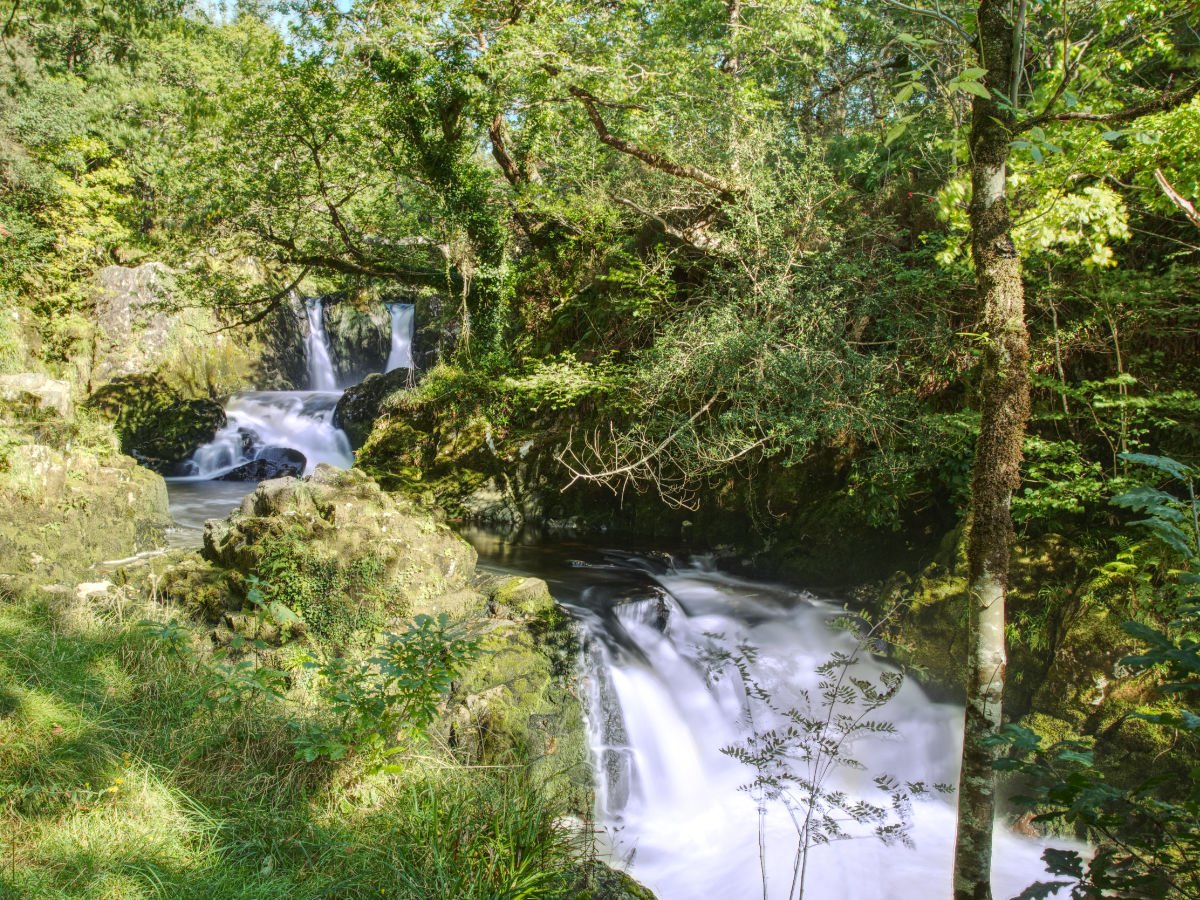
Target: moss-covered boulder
[(25, 395), (341, 554), (362, 404), (519, 694), (154, 422), (66, 511)]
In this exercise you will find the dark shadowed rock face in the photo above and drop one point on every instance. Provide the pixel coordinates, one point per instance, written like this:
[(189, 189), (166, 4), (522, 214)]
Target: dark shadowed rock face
[(155, 424), (360, 337), (274, 462), (360, 406)]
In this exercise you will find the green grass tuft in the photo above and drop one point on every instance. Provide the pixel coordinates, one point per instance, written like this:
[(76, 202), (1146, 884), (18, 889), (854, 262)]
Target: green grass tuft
[(116, 782)]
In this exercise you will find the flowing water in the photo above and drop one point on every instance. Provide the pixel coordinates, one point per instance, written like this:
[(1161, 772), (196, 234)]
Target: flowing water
[(260, 421), (400, 356), (672, 805), (257, 421), (320, 366)]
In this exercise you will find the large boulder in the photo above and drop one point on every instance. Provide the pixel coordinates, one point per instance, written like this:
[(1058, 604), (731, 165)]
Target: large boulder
[(67, 511), (362, 404), (154, 422), (342, 555)]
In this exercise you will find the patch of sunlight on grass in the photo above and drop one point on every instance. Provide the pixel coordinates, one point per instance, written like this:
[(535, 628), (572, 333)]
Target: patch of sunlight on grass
[(133, 823)]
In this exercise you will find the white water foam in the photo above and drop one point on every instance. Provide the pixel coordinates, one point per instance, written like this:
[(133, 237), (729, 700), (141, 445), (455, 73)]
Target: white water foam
[(260, 420), (672, 804), (320, 366)]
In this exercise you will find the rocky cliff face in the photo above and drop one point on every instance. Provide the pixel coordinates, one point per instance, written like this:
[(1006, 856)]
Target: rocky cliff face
[(360, 336)]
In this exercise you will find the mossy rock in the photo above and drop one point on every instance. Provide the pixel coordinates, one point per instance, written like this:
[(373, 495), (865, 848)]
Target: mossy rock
[(154, 422), (606, 883), (519, 695), (442, 462), (65, 512), (527, 596), (362, 404), (342, 555), (205, 591)]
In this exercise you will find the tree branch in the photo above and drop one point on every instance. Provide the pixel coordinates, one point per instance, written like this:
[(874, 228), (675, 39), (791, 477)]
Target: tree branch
[(272, 303), (1178, 199), (592, 103), (1168, 100), (934, 14)]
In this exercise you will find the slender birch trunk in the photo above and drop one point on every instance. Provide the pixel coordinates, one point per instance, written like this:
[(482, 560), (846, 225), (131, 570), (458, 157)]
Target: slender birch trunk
[(1004, 397)]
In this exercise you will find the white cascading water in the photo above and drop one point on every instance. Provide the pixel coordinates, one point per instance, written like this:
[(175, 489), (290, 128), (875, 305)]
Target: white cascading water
[(320, 366), (262, 420), (400, 356), (673, 806)]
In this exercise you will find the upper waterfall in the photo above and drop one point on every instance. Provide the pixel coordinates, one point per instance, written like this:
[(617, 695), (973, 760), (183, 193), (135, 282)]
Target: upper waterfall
[(400, 356), (320, 366)]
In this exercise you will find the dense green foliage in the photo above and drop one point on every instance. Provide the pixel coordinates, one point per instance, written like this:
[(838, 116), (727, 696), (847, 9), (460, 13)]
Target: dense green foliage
[(709, 252)]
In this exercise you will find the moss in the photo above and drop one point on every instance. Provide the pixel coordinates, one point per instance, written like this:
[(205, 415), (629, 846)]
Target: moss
[(515, 697), (204, 591), (64, 512), (154, 422)]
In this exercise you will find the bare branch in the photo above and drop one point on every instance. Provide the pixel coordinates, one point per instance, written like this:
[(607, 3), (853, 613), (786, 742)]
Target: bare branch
[(1178, 199), (934, 14)]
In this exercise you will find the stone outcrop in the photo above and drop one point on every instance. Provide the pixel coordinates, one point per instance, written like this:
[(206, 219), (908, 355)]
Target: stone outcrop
[(142, 326), (155, 424), (26, 393), (362, 404), (360, 337), (66, 511)]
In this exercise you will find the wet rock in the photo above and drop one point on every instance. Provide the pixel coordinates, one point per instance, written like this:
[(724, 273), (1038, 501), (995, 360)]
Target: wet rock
[(360, 337), (362, 404), (273, 462), (154, 422)]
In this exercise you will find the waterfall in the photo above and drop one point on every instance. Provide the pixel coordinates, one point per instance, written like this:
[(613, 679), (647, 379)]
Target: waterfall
[(320, 367), (400, 356), (674, 807), (262, 421)]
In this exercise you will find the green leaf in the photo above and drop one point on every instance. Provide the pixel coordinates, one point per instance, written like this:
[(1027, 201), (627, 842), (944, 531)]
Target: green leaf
[(971, 87), (1171, 467), (894, 133), (972, 74)]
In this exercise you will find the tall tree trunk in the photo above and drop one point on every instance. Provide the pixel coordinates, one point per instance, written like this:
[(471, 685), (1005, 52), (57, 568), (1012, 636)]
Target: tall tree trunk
[(1004, 391)]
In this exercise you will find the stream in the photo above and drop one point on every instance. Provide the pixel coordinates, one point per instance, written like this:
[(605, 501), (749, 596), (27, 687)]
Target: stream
[(672, 805)]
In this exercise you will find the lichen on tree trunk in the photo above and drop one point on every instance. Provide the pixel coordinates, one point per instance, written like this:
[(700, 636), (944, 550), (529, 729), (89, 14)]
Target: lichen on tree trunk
[(1004, 401)]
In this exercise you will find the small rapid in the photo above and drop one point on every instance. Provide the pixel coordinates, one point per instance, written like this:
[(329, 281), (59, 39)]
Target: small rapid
[(259, 421), (675, 805)]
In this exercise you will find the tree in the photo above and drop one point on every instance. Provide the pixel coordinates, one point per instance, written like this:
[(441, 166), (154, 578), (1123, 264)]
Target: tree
[(1000, 44)]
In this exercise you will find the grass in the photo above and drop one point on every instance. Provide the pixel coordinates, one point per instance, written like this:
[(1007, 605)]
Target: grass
[(117, 782)]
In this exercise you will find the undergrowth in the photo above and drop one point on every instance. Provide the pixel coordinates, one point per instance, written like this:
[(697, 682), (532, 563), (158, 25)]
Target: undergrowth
[(116, 781)]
